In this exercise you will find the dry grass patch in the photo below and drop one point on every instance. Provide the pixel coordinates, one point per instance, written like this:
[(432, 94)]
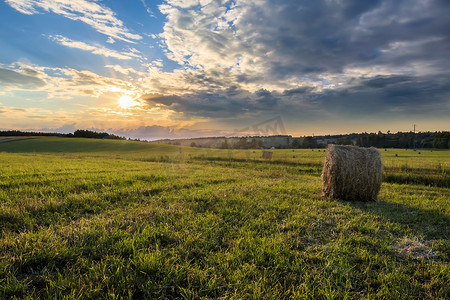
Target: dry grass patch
[(415, 248)]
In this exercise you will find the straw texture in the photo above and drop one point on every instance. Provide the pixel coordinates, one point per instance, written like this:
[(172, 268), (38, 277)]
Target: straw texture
[(352, 173)]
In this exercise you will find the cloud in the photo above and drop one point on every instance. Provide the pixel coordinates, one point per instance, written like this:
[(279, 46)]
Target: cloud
[(25, 118), (133, 52), (93, 49), (153, 132), (73, 82), (63, 83), (384, 81), (122, 70), (229, 103), (156, 132), (382, 96), (311, 58), (93, 13), (393, 97), (147, 8), (145, 132), (283, 44), (12, 79)]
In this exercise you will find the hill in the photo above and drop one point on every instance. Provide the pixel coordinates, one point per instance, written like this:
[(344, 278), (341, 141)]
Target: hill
[(74, 145)]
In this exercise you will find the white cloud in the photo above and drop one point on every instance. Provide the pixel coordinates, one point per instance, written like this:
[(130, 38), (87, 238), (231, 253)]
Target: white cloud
[(216, 40), (93, 13), (93, 49), (21, 79), (125, 71), (290, 43), (158, 63), (110, 40), (149, 11), (65, 83), (133, 52)]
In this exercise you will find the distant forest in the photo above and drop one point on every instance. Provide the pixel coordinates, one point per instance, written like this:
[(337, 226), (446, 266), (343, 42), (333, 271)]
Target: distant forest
[(78, 134), (438, 140)]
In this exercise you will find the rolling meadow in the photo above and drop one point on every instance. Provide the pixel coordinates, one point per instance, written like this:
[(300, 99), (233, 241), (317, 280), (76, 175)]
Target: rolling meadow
[(87, 219)]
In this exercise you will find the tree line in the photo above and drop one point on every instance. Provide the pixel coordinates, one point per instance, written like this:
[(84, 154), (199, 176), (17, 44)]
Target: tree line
[(439, 140), (78, 134)]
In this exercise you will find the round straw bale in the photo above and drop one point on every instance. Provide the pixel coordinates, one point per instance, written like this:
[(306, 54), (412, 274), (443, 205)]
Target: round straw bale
[(352, 173), (267, 154)]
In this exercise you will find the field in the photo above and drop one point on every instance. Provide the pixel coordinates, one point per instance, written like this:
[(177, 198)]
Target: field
[(85, 218)]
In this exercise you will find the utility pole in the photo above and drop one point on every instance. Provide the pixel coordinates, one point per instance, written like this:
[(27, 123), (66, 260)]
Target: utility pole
[(414, 138)]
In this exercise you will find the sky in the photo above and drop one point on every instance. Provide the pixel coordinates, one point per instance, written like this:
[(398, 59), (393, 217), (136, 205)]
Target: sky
[(185, 68)]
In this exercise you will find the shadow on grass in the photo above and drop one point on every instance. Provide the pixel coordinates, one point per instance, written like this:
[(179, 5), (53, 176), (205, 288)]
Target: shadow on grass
[(429, 223), (259, 161), (428, 180)]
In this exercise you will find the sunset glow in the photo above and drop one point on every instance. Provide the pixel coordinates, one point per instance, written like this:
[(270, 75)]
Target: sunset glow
[(126, 102)]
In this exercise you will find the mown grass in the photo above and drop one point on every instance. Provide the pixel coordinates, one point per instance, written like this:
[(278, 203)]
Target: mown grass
[(113, 219)]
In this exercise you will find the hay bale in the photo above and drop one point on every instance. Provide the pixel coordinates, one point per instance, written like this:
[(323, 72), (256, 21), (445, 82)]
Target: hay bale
[(352, 173), (267, 155)]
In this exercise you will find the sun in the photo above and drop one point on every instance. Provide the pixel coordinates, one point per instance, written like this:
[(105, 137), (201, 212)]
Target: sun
[(127, 102)]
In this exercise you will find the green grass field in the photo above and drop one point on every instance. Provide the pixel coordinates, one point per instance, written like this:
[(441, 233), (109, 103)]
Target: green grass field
[(85, 218)]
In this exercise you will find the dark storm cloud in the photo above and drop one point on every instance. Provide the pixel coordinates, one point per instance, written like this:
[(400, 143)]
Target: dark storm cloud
[(221, 104), (383, 81), (327, 36), (394, 95), (378, 95), (13, 79), (301, 90), (347, 57), (165, 100)]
